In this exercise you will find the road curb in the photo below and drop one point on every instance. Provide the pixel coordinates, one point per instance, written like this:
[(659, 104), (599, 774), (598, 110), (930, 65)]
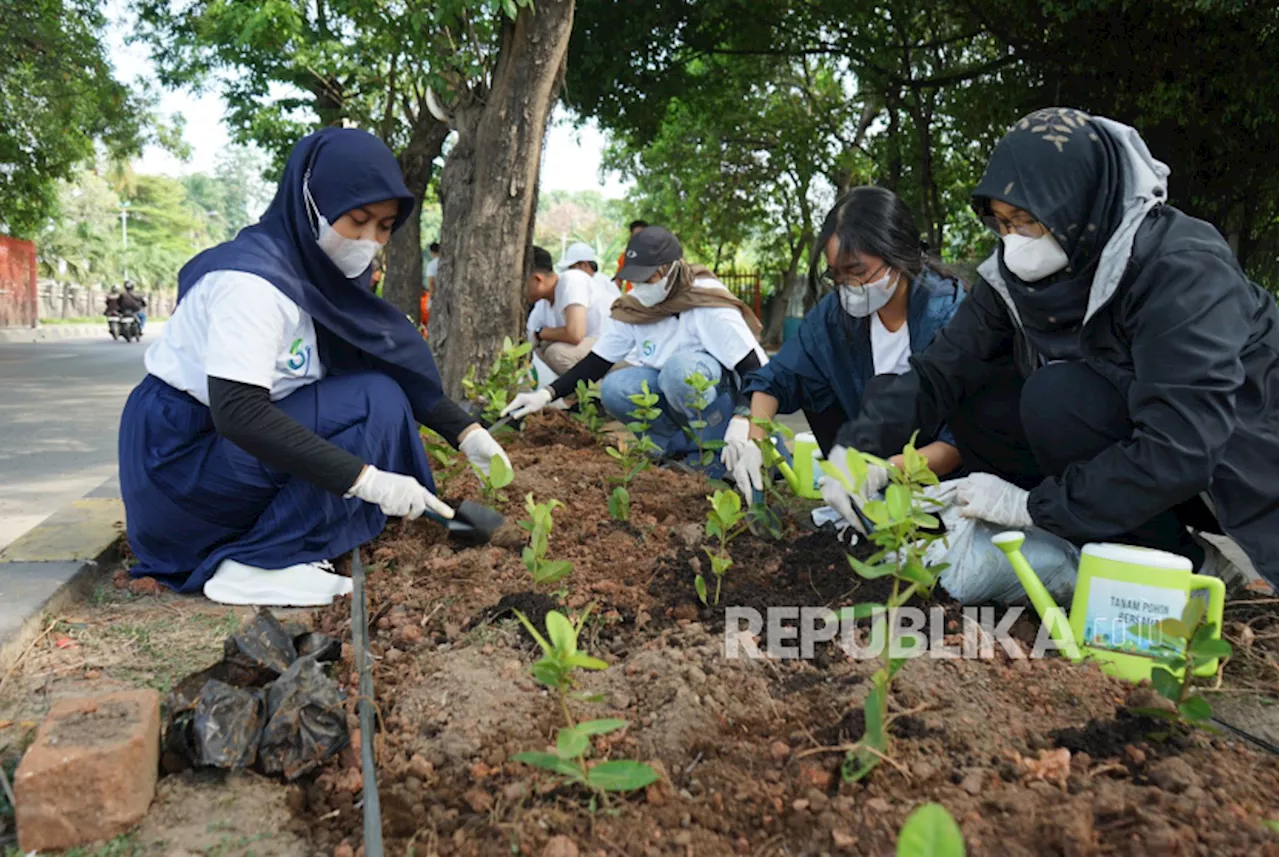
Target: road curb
[(53, 332), (54, 562)]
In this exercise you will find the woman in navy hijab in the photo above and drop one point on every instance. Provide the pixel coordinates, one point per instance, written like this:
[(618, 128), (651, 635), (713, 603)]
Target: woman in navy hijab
[(278, 424)]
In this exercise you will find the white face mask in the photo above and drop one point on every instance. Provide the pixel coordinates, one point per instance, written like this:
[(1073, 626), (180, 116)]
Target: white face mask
[(652, 294), (1033, 259), (352, 256), (861, 301)]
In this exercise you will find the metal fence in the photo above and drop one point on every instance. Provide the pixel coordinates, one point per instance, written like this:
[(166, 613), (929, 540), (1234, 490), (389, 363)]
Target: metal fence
[(70, 300), (745, 285)]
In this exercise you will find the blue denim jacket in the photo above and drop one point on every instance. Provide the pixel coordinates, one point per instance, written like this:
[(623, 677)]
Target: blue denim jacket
[(829, 361)]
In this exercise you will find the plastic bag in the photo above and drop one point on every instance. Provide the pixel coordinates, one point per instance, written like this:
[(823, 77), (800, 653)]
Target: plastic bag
[(259, 652), (306, 721), (227, 725), (979, 572)]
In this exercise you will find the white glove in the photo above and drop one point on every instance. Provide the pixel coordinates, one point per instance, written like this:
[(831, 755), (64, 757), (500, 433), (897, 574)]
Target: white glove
[(990, 498), (741, 457), (527, 403), (840, 499), (479, 447), (397, 495)]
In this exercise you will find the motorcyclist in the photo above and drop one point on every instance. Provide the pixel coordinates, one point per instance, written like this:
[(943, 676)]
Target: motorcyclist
[(132, 303), (113, 301)]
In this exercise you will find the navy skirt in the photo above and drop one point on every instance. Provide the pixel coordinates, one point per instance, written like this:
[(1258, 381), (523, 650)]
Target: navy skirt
[(193, 498)]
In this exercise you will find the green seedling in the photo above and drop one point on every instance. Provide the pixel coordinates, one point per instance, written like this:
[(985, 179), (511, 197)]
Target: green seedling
[(704, 394), (620, 504), (555, 670), (724, 522), (930, 831), (500, 476), (1180, 646), (589, 415), (763, 515), (444, 458), (535, 553), (635, 454), (903, 528), (510, 371)]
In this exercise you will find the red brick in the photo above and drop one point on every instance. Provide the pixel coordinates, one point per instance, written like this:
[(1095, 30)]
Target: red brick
[(91, 773)]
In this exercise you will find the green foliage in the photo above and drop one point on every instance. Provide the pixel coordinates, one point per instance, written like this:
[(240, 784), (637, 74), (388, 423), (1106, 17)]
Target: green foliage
[(1181, 646), (635, 454), (762, 514), (500, 476), (59, 100), (904, 527), (930, 831), (589, 414), (535, 554), (620, 504), (509, 372), (724, 523), (446, 461), (704, 394), (555, 670)]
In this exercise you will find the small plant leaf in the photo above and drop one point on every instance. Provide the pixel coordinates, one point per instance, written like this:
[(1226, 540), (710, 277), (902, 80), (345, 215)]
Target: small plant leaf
[(1211, 649), (930, 831), (897, 500), (500, 474), (586, 662), (700, 586), (552, 570), (550, 762), (533, 632), (571, 743), (560, 632), (601, 727), (622, 775), (1195, 708), (857, 611), (1193, 613), (1165, 683), (1174, 628), (870, 572)]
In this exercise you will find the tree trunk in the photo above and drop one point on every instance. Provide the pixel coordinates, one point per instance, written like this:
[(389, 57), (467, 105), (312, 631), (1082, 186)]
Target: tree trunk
[(790, 284), (402, 279), (489, 192)]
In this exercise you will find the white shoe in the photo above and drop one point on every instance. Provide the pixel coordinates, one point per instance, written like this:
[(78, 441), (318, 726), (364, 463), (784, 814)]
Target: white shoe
[(308, 584)]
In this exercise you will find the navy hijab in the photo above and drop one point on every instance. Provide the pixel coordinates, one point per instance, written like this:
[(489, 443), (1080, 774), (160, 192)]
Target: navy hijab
[(344, 168)]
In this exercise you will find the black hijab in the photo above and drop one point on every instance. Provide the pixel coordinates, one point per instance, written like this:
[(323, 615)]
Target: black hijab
[(1064, 169)]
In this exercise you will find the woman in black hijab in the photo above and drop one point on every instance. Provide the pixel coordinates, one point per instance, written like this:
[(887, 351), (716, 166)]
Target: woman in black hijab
[(1112, 369)]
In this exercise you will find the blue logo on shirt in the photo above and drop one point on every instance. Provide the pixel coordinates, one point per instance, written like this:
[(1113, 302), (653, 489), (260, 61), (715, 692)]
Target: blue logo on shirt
[(300, 361), (648, 348)]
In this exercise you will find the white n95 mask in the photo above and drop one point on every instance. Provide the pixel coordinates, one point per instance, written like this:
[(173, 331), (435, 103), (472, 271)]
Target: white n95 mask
[(652, 294), (861, 301), (1033, 259), (352, 256)]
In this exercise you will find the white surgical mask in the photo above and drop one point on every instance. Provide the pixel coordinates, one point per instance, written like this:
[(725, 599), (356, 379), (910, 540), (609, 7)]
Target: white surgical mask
[(652, 294), (861, 301), (352, 256), (1033, 259)]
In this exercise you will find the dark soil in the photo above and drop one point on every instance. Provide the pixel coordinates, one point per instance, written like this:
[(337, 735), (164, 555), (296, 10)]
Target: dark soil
[(1030, 757)]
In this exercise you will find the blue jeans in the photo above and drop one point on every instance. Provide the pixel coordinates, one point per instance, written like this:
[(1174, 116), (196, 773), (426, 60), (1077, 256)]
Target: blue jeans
[(676, 400), (142, 320)]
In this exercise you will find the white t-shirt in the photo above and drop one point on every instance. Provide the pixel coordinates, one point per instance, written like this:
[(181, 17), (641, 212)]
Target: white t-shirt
[(239, 327), (889, 350), (579, 287), (432, 267), (539, 317), (719, 331)]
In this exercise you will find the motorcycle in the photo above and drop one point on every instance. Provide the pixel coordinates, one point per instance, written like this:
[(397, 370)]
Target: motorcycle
[(124, 325)]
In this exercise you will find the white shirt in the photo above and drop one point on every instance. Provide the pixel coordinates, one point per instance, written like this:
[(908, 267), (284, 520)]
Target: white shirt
[(239, 327), (719, 331), (432, 267), (580, 288), (889, 350)]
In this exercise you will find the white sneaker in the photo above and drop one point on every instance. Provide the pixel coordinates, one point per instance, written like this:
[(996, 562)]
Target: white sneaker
[(308, 584)]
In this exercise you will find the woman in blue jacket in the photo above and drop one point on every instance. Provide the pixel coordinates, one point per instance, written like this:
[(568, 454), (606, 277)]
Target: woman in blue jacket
[(886, 303)]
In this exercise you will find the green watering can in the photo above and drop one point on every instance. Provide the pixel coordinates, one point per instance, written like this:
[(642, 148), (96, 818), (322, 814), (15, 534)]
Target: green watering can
[(1118, 587), (800, 467)]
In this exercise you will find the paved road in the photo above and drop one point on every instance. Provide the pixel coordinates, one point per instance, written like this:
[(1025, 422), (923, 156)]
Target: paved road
[(60, 406)]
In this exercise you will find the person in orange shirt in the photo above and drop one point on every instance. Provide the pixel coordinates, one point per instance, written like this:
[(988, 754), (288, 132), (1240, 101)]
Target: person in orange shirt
[(623, 285)]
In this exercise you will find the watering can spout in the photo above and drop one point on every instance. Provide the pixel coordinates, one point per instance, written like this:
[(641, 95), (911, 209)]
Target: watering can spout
[(1053, 616)]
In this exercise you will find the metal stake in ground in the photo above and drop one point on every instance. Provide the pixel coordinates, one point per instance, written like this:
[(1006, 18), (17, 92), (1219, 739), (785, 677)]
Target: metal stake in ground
[(360, 645)]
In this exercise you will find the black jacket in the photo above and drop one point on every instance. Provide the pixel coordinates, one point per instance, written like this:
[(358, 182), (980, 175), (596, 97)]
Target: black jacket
[(1194, 344)]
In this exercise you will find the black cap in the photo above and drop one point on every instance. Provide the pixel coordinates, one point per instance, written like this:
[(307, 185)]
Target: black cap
[(647, 251)]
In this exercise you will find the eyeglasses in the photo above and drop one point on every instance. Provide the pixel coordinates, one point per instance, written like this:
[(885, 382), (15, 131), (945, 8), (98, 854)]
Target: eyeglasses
[(1025, 228), (829, 279)]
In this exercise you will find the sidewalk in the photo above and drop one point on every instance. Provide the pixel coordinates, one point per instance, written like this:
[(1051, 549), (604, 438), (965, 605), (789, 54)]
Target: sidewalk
[(53, 332), (49, 563)]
